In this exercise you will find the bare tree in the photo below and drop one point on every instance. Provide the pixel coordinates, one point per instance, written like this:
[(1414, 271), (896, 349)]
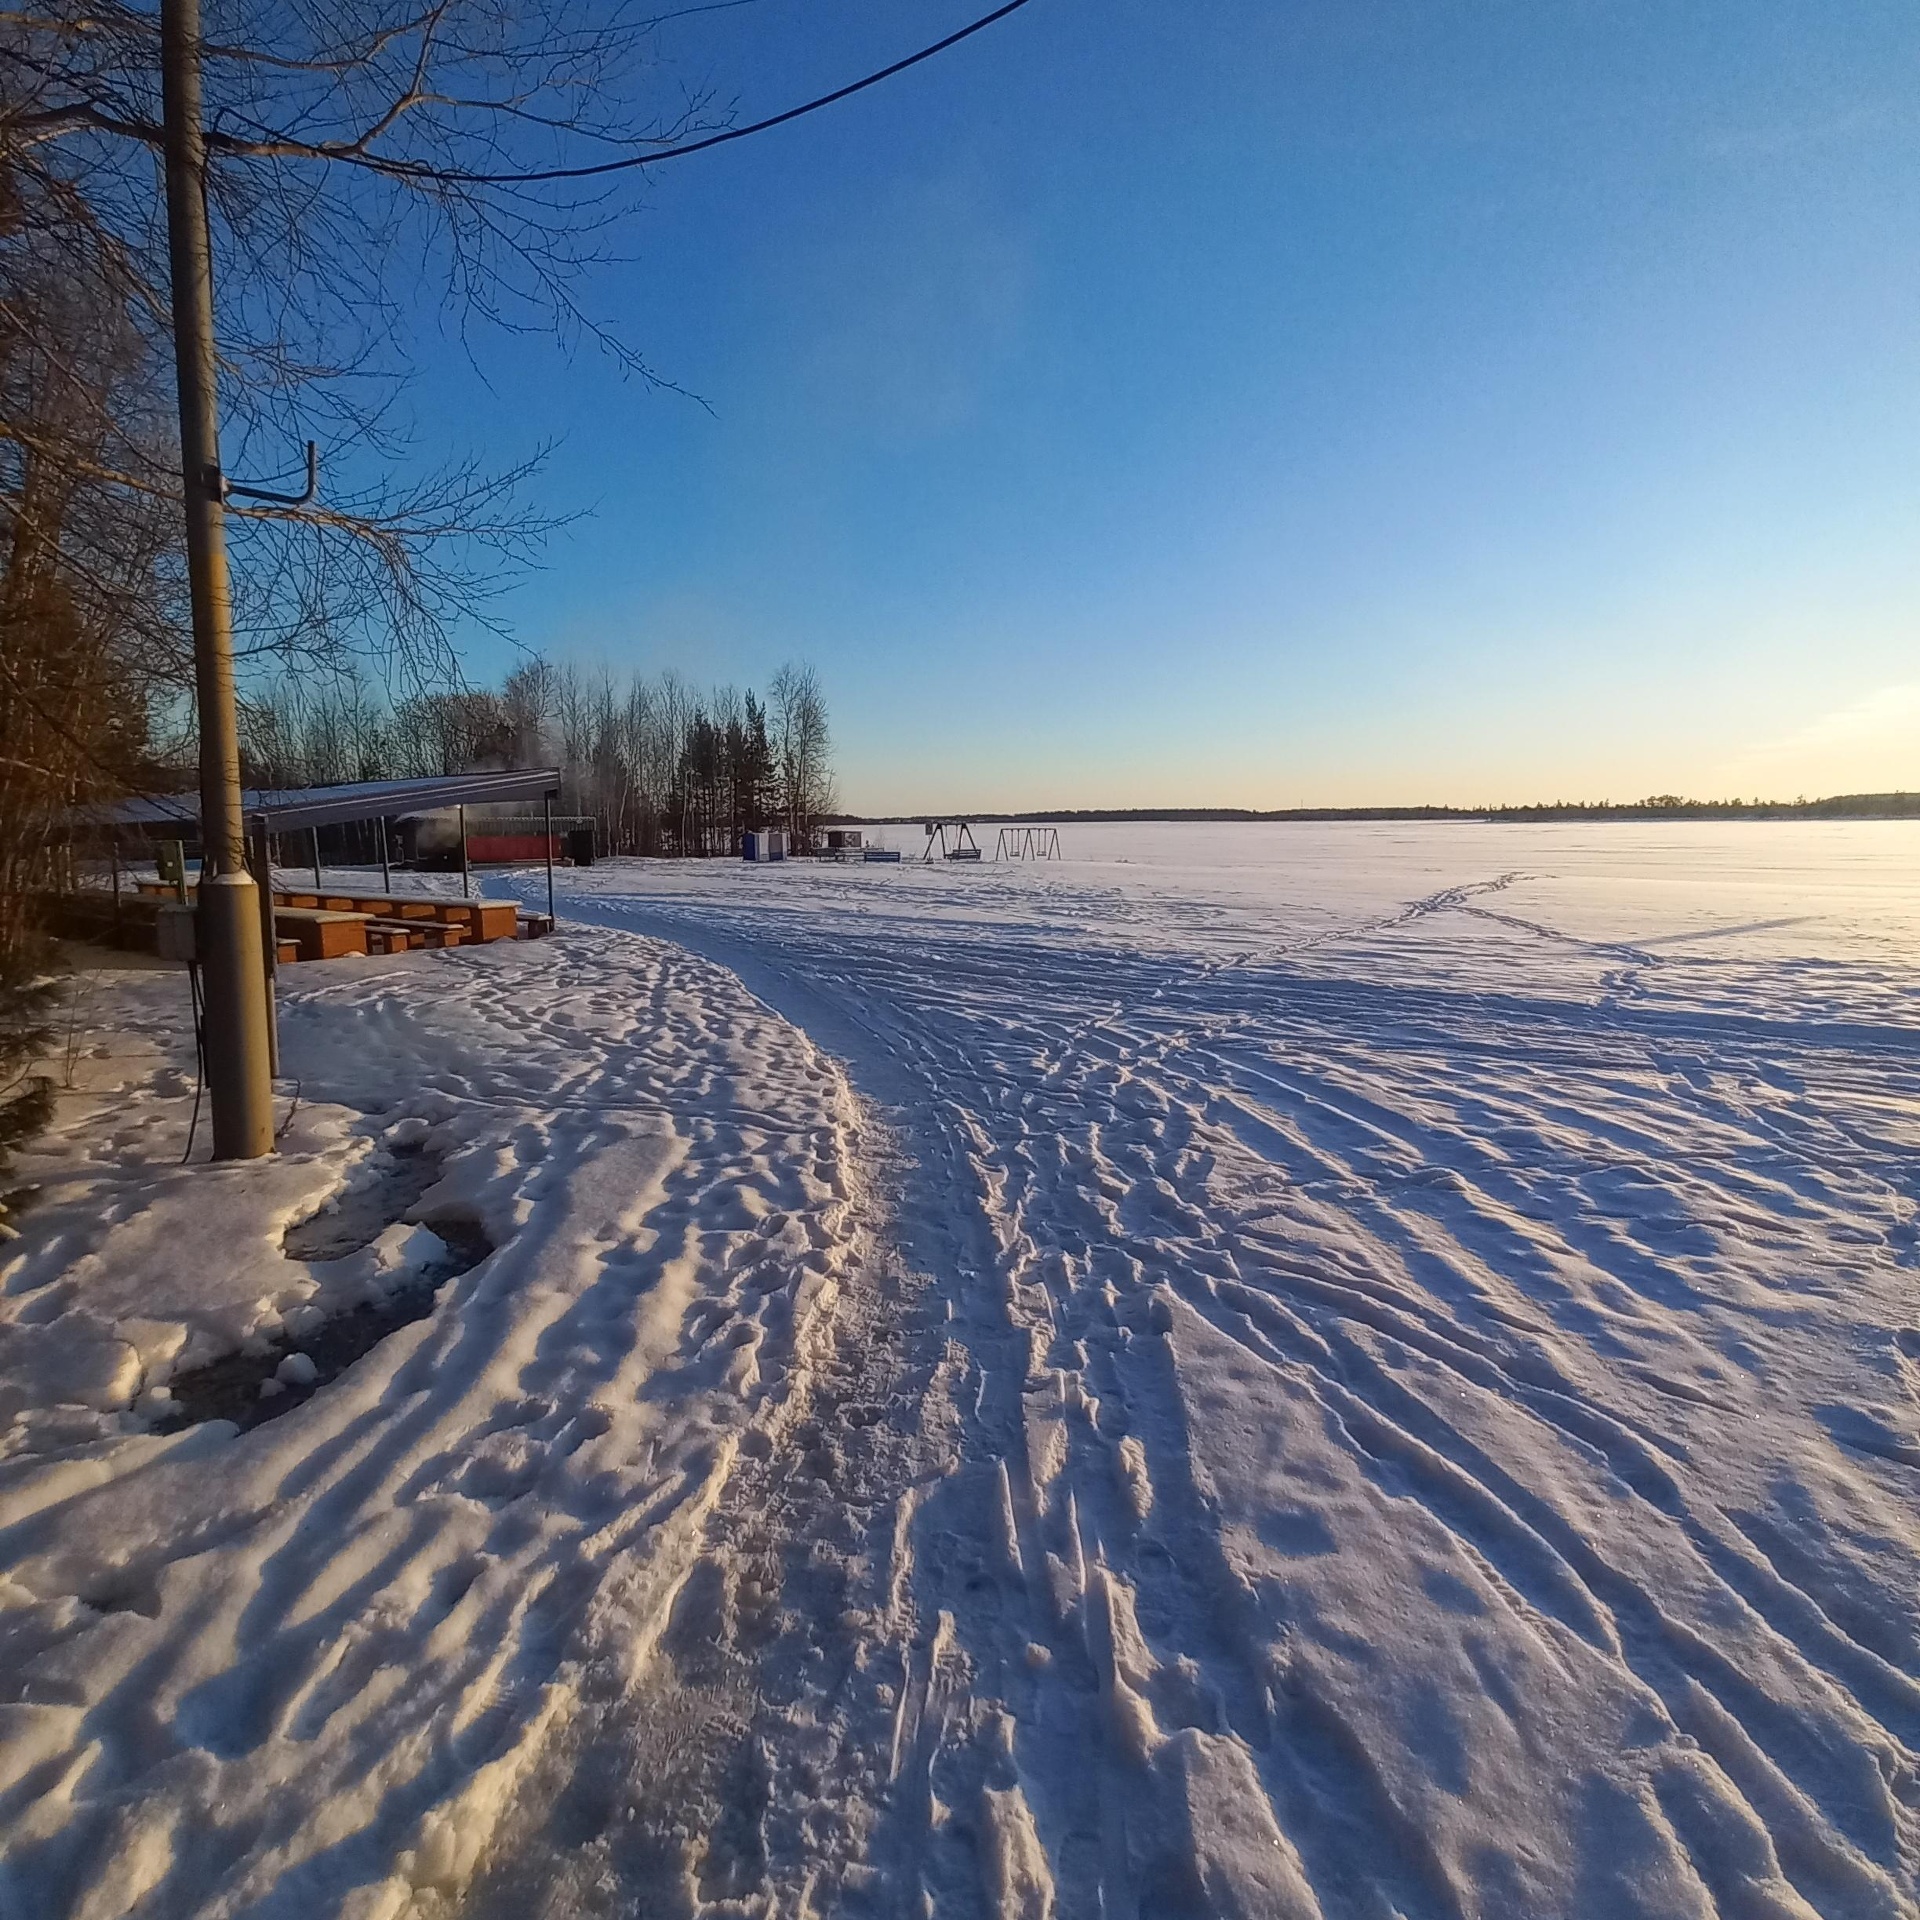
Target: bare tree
[(89, 581), (529, 696), (358, 154), (803, 751), (658, 767), (361, 155)]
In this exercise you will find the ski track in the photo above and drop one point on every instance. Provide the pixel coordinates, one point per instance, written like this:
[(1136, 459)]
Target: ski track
[(1432, 1407)]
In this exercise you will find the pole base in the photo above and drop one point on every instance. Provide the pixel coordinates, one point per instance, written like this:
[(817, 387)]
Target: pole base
[(233, 962)]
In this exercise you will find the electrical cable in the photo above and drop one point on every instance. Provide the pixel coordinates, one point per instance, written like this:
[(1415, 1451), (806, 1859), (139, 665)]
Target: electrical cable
[(420, 171), (199, 1056)]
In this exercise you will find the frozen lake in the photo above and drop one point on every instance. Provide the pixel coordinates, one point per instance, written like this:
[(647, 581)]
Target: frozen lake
[(1756, 888), (1748, 889)]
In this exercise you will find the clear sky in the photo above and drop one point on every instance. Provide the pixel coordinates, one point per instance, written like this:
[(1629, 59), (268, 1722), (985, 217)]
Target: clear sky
[(1269, 402)]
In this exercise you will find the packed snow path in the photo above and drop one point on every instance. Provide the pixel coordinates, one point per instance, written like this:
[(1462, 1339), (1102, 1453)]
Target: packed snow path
[(1428, 1398), (306, 1669)]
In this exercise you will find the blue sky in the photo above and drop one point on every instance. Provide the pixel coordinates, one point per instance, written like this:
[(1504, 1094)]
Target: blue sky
[(1267, 404)]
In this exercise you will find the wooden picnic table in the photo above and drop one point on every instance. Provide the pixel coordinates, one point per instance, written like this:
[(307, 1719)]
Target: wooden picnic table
[(322, 933), (483, 919), (480, 920)]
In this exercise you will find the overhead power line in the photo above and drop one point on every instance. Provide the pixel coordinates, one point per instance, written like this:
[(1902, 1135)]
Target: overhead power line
[(712, 139)]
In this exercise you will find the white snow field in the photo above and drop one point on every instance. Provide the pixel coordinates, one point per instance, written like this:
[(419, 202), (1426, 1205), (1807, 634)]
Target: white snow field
[(1347, 1371)]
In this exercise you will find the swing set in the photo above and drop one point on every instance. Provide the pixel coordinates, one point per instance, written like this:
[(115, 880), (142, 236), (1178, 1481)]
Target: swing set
[(953, 840)]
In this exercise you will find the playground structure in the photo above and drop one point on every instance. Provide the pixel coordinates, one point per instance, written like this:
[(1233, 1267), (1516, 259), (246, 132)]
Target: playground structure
[(1028, 843), (963, 846), (953, 840)]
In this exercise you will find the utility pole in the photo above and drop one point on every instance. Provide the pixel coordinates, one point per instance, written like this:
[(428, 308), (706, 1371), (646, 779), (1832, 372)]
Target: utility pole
[(231, 955)]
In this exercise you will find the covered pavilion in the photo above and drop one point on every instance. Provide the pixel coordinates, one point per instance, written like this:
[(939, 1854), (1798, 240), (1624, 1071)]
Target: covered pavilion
[(274, 811)]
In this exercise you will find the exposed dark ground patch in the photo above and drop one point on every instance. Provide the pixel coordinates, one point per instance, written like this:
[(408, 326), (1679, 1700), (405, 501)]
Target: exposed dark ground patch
[(230, 1388), (354, 1220)]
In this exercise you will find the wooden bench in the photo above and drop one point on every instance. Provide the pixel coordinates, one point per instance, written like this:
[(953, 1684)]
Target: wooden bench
[(477, 919), (402, 936), (391, 936), (493, 919), (321, 933), (333, 899), (535, 926), (330, 900)]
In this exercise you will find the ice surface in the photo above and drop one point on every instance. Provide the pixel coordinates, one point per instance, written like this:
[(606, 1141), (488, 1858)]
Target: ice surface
[(1269, 1370)]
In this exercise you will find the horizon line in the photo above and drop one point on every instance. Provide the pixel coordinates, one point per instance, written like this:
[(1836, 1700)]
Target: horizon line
[(1896, 805)]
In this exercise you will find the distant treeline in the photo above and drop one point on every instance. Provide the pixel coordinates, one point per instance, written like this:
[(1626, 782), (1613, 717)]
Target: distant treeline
[(659, 767), (1662, 806)]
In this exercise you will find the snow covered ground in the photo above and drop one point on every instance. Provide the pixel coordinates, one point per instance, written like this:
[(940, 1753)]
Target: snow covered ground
[(301, 1670), (1253, 1371)]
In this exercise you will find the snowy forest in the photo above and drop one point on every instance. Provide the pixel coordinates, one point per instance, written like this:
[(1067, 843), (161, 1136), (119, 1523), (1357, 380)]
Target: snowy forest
[(659, 766)]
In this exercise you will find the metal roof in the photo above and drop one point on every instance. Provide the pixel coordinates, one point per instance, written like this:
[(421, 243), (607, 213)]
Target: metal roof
[(285, 808)]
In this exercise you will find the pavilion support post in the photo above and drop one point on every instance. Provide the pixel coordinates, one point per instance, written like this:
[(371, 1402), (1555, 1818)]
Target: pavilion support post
[(113, 848), (386, 869), (547, 804), (466, 873), (318, 884)]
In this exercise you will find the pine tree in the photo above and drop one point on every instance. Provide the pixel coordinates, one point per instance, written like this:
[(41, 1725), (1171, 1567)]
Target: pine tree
[(27, 995)]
